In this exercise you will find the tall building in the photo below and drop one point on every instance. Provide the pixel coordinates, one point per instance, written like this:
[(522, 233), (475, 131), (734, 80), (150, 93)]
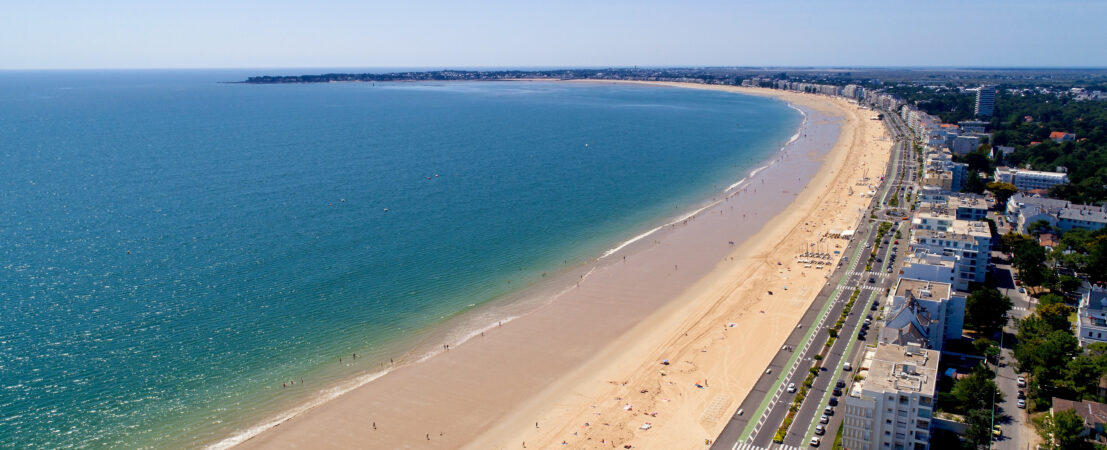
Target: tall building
[(892, 406), (969, 241), (985, 101)]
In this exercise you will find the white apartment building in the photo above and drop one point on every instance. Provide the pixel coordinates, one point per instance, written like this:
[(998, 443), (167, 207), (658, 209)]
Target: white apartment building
[(892, 406), (923, 312), (923, 265), (1025, 180), (1023, 210), (1091, 326), (971, 241)]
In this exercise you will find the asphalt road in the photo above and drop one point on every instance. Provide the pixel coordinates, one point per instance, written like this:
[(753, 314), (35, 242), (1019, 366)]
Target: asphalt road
[(1018, 432)]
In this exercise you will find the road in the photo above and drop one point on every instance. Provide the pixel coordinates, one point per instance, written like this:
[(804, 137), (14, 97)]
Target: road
[(1018, 432), (765, 407)]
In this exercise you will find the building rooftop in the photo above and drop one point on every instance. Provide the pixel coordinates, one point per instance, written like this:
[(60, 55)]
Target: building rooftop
[(1092, 412), (1086, 214), (1017, 171), (960, 230), (902, 368), (967, 201), (1094, 300), (925, 290)]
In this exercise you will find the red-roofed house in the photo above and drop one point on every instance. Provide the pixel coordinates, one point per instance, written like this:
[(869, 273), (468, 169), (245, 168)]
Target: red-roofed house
[(1093, 413), (1061, 136)]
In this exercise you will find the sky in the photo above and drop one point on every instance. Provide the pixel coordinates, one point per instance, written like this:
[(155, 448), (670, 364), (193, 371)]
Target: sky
[(121, 34)]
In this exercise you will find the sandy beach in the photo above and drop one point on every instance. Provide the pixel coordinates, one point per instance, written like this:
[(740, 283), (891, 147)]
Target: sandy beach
[(584, 370)]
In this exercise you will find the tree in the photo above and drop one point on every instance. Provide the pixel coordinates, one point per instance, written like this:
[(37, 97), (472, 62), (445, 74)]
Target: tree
[(1030, 261), (976, 391), (986, 310), (1069, 283), (973, 183), (1011, 241), (1082, 376), (1051, 299), (1039, 227), (1002, 191), (1062, 431), (978, 433), (1056, 316)]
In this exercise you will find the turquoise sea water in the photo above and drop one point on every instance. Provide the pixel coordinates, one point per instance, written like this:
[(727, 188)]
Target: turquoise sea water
[(172, 249)]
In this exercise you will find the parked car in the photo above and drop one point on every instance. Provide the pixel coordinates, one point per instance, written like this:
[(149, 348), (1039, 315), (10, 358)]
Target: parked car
[(1022, 381), (824, 419), (815, 442), (1022, 395), (847, 367), (791, 388), (820, 430), (1022, 403), (833, 401), (829, 411), (841, 383)]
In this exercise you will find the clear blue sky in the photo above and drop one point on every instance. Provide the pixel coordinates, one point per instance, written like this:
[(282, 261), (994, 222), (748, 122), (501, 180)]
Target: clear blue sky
[(50, 34)]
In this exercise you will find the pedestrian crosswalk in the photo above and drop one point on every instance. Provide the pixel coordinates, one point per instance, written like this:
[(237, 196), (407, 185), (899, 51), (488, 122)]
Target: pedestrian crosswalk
[(745, 446)]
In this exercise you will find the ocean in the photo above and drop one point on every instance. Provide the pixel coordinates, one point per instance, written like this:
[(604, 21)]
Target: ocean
[(174, 250)]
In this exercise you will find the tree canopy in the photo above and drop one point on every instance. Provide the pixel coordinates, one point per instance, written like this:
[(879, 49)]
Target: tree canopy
[(986, 310)]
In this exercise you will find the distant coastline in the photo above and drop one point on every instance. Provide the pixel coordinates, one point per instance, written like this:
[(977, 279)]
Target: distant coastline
[(703, 76)]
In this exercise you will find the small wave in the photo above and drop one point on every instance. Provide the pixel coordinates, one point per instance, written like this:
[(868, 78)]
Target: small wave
[(324, 396), (753, 173)]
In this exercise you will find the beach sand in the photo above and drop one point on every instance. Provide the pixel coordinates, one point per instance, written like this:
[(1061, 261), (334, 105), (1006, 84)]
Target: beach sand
[(595, 348)]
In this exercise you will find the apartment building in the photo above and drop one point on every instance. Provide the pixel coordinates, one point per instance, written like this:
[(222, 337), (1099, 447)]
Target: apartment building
[(924, 312), (892, 406), (1025, 180), (1023, 210), (1091, 326), (970, 241)]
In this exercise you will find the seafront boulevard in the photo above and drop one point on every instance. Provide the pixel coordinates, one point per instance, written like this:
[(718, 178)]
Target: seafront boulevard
[(763, 411)]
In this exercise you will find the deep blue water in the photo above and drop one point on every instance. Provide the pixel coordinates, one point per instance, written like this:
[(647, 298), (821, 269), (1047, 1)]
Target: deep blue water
[(172, 248)]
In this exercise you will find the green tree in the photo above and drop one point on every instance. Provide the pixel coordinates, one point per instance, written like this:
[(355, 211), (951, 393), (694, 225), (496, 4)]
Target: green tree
[(978, 434), (975, 391), (1030, 261), (1056, 316), (1061, 431), (1082, 376), (973, 183), (986, 310), (1002, 191), (1051, 299), (1039, 227), (1011, 241), (1068, 283)]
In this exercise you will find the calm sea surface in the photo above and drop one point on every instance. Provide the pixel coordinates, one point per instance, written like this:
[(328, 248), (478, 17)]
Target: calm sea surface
[(173, 249)]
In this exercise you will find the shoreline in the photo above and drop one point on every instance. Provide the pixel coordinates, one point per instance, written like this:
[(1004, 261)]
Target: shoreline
[(598, 265)]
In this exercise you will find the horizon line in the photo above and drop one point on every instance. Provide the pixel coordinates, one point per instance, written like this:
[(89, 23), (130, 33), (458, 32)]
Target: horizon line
[(430, 68)]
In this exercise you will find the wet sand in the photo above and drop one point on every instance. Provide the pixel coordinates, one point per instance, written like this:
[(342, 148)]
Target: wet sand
[(540, 377)]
